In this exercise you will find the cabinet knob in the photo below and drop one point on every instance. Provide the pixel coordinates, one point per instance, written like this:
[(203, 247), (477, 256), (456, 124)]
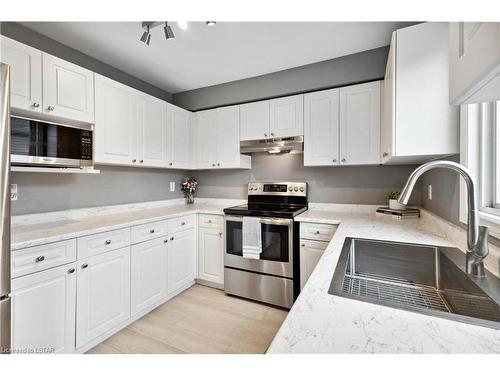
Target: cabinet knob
[(84, 265), (170, 163), (71, 270), (36, 105), (107, 242), (151, 231), (141, 161), (303, 245), (265, 134), (317, 232), (385, 154), (213, 165), (220, 234), (218, 164), (171, 238), (183, 223), (334, 160), (343, 160), (134, 160), (209, 221), (272, 134), (50, 108), (40, 258), (165, 240)]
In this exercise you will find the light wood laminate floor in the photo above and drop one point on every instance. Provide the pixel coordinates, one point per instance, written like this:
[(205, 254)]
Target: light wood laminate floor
[(199, 320)]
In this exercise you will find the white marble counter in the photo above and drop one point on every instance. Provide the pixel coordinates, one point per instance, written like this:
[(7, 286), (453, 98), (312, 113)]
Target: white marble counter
[(321, 323), (37, 229)]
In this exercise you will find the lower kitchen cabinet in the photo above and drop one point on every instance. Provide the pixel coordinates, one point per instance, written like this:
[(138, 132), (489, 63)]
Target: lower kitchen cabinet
[(181, 260), (103, 294), (211, 255), (148, 273), (43, 311), (310, 252)]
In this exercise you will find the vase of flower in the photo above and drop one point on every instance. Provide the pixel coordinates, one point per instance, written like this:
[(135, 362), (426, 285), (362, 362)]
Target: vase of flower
[(188, 187), (393, 197)]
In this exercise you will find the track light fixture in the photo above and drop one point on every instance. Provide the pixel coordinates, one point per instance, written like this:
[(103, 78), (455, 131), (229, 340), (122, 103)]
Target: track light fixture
[(169, 34), (210, 23), (146, 35)]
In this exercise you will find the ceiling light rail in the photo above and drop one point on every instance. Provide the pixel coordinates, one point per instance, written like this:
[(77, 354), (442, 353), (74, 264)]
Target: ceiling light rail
[(169, 33)]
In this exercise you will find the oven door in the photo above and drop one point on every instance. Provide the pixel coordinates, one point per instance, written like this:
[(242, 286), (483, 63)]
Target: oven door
[(277, 246)]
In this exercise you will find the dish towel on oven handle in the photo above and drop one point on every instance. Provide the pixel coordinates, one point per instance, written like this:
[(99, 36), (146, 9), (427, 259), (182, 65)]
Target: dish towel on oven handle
[(252, 237)]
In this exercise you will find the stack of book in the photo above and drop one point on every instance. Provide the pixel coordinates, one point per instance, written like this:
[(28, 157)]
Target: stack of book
[(408, 213)]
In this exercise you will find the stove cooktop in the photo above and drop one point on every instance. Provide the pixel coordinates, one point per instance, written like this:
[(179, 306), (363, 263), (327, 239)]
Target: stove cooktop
[(266, 210)]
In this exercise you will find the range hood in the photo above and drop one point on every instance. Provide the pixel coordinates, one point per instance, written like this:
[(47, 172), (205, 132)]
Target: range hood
[(273, 146)]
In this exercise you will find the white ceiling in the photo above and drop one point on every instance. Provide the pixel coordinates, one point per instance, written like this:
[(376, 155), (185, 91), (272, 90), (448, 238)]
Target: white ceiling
[(205, 55)]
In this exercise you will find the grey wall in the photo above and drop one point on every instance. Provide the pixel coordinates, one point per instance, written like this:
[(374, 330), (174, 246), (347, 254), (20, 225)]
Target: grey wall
[(356, 68), (363, 184), (41, 192), (27, 36)]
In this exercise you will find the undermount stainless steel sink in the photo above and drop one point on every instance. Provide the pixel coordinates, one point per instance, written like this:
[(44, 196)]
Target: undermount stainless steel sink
[(420, 278)]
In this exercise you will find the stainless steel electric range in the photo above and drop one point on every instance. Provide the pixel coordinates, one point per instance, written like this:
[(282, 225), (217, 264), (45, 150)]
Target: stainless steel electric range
[(274, 277)]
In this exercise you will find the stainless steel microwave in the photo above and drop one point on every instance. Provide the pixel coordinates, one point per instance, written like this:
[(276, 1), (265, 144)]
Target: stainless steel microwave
[(40, 143)]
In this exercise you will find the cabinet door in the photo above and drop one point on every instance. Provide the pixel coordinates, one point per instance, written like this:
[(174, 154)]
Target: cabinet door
[(152, 135), (181, 259), (115, 126), (148, 273), (228, 137), (43, 310), (310, 252), (211, 255), (178, 137), (206, 139), (103, 294), (387, 131), (321, 128), (254, 120), (360, 124), (287, 116), (26, 74), (68, 89)]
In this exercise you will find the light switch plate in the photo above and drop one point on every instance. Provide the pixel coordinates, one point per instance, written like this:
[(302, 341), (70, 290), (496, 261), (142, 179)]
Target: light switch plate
[(172, 186), (429, 192), (13, 192)]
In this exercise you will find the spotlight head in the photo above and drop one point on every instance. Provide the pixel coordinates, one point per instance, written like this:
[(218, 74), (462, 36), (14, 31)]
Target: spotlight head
[(169, 34), (210, 23), (146, 36)]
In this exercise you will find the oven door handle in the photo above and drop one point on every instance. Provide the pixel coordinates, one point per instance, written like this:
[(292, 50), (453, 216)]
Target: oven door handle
[(276, 221)]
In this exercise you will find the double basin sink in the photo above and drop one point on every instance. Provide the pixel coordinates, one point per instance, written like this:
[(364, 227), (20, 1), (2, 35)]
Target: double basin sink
[(420, 278)]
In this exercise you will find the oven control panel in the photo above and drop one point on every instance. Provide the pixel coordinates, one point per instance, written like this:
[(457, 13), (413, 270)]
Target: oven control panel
[(278, 188)]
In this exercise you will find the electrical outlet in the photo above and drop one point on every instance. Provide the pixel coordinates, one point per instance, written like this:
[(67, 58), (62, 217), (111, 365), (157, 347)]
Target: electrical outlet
[(13, 192), (172, 186), (429, 192)]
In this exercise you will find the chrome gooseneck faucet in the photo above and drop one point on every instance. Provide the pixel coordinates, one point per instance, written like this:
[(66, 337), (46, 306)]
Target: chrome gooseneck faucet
[(477, 235)]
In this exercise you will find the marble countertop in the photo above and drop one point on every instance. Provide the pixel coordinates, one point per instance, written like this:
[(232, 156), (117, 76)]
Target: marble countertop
[(31, 230), (322, 323)]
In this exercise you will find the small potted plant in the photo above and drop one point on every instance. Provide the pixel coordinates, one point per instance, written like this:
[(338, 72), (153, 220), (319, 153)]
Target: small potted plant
[(393, 197), (188, 187)]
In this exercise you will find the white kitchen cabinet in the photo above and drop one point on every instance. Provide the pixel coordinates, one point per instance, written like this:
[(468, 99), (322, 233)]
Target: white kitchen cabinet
[(286, 116), (115, 134), (310, 253), (152, 131), (148, 274), (211, 255), (474, 62), (418, 122), (26, 74), (181, 259), (228, 137), (178, 137), (321, 128), (103, 294), (43, 311), (254, 120), (206, 139), (68, 89), (360, 124)]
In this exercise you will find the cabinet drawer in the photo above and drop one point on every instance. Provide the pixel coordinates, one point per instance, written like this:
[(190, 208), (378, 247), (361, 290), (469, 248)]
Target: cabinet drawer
[(181, 223), (211, 221), (318, 232), (149, 231), (38, 258), (103, 242)]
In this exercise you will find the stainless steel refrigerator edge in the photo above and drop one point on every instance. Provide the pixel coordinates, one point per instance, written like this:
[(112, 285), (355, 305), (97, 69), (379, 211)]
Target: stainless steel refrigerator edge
[(5, 208)]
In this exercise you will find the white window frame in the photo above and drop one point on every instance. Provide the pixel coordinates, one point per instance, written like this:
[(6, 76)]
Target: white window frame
[(472, 151)]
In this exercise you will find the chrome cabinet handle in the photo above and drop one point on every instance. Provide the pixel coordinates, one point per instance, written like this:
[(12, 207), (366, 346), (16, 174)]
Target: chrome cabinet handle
[(151, 231), (36, 105), (50, 108), (40, 258), (343, 160), (171, 238), (71, 270), (84, 265), (107, 242)]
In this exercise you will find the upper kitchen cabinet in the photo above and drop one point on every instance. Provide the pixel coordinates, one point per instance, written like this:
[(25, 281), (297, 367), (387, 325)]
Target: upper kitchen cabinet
[(418, 124), (68, 90), (360, 124), (178, 137), (26, 74), (321, 128), (115, 123), (474, 62), (217, 139), (286, 117), (254, 120)]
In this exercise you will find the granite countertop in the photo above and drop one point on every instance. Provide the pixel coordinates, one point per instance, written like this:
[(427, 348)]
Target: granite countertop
[(322, 323), (61, 227)]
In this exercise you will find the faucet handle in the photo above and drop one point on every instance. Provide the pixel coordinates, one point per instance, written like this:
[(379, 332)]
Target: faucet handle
[(482, 249)]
